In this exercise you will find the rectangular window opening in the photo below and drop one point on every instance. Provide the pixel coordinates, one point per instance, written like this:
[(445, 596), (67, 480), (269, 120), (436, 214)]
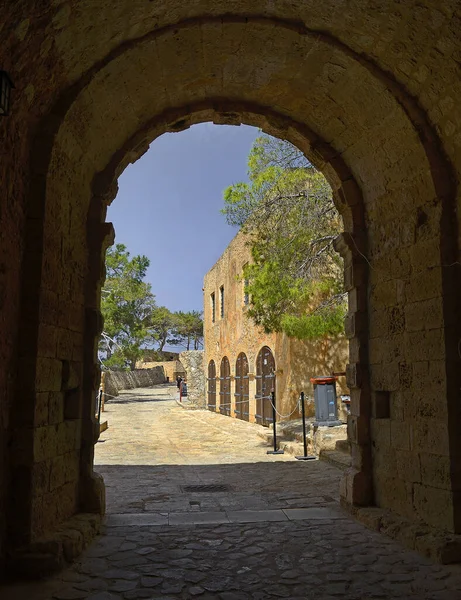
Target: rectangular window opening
[(213, 308), (221, 300)]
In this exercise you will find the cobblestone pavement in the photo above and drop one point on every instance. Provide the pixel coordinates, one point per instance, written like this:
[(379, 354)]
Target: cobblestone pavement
[(317, 553)]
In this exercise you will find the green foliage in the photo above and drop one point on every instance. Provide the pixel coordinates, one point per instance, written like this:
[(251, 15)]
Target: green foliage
[(162, 323), (287, 211), (132, 321), (188, 329), (127, 303)]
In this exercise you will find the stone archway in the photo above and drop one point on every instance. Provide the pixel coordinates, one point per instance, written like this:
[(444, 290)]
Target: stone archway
[(346, 102)]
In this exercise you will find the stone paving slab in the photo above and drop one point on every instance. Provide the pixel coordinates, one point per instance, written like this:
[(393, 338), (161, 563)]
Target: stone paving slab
[(198, 518), (301, 514), (315, 558), (256, 516), (230, 516), (138, 519)]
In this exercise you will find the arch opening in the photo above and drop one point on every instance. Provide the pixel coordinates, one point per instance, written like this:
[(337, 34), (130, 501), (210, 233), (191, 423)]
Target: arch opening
[(265, 386), (211, 389), (355, 128), (224, 387), (242, 388)]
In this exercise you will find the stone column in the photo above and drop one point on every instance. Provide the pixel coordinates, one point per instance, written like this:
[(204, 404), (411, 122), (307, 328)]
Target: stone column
[(252, 396), (357, 483)]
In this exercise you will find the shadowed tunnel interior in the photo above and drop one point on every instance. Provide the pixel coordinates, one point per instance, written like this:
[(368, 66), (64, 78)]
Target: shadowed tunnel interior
[(367, 91)]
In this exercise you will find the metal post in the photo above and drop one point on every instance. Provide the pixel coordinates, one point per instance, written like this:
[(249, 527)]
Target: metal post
[(303, 411), (274, 414)]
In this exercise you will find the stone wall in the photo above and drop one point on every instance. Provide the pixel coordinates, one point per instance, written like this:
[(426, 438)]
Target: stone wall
[(192, 360), (171, 368), (367, 91), (116, 381)]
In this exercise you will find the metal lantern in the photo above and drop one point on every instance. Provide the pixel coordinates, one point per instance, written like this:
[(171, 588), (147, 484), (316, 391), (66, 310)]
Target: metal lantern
[(5, 91)]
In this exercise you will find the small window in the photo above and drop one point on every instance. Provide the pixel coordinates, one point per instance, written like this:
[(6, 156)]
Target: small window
[(213, 308), (221, 300)]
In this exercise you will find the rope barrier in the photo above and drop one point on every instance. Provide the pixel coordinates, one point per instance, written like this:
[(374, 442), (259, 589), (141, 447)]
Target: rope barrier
[(296, 408), (220, 405)]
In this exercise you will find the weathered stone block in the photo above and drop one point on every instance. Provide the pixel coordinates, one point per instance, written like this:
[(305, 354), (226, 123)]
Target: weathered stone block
[(392, 492), (381, 433), (41, 409), (45, 443), (424, 286), (356, 487), (434, 506), (408, 466), (400, 435), (55, 408), (430, 436), (435, 470), (426, 314), (40, 482), (64, 344), (71, 375), (360, 402), (358, 431), (48, 375), (68, 436), (47, 340)]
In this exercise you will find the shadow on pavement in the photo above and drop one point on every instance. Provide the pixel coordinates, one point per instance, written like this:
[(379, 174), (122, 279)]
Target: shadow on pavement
[(247, 486)]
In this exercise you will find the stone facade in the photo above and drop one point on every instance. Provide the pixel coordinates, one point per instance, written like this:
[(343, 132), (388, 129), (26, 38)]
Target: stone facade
[(192, 360), (367, 90), (295, 361)]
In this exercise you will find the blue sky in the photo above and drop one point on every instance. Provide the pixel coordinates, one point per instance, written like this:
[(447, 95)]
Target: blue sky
[(168, 207)]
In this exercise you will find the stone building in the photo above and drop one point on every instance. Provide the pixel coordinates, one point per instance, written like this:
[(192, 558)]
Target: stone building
[(367, 90), (243, 364)]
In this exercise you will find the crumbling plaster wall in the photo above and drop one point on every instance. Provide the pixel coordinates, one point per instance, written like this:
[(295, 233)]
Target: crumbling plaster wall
[(368, 92)]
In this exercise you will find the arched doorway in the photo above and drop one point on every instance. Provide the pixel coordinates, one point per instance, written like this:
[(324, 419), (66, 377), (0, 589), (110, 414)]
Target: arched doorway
[(242, 396), (224, 388), (211, 390), (342, 96), (265, 385)]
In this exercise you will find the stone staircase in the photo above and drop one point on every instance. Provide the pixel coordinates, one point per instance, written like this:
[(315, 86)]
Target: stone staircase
[(327, 443), (340, 457)]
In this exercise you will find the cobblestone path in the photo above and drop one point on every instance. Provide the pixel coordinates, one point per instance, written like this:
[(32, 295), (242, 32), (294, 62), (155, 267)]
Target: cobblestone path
[(163, 541)]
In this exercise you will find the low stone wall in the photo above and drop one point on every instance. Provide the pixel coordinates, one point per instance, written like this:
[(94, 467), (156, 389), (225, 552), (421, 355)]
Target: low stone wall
[(128, 380), (172, 368), (192, 361)]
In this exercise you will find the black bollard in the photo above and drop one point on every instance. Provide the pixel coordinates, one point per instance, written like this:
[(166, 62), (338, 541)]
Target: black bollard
[(303, 412), (274, 414)]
